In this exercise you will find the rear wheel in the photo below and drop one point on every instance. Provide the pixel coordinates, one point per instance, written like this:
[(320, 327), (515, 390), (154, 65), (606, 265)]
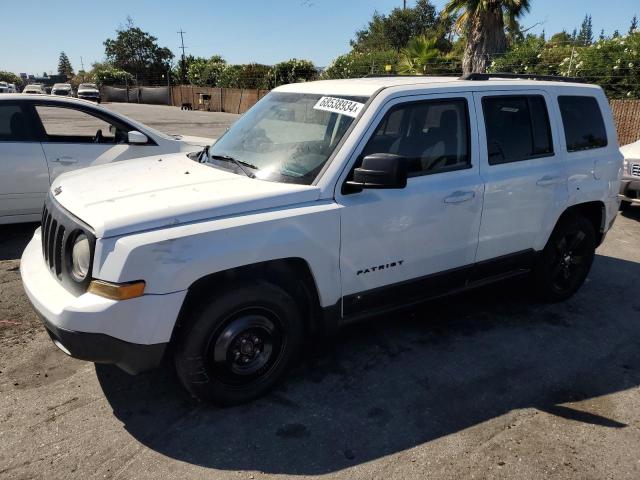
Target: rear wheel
[(239, 344), (566, 260)]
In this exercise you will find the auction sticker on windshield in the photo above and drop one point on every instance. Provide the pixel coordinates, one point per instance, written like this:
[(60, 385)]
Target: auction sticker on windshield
[(339, 105)]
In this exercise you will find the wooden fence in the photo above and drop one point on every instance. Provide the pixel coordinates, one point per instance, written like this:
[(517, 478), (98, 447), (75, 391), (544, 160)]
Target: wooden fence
[(626, 113), (213, 99)]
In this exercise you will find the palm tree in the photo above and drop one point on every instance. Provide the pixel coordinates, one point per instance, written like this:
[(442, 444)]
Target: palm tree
[(483, 22), (416, 56)]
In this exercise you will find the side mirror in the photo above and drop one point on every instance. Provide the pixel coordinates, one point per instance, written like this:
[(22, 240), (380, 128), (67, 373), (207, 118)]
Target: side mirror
[(136, 138), (380, 170)]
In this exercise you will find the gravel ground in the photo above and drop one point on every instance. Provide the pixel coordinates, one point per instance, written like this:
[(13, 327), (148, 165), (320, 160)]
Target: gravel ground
[(488, 384)]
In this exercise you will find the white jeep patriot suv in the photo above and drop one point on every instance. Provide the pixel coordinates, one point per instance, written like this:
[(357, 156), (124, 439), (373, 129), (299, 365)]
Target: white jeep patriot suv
[(325, 203)]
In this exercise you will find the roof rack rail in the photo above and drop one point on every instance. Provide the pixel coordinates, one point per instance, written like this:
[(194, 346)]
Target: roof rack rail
[(401, 75), (523, 76)]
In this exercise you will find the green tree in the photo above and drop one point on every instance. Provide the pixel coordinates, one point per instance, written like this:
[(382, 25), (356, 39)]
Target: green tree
[(205, 72), (483, 24), (419, 56), (393, 31), (634, 24), (137, 52), (585, 35), (64, 65), (107, 74), (358, 64), (10, 78), (292, 71)]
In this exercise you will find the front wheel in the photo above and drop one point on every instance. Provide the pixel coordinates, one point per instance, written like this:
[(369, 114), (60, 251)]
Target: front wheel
[(239, 344), (566, 260)]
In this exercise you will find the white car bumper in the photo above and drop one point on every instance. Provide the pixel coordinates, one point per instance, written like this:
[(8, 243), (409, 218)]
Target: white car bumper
[(132, 334)]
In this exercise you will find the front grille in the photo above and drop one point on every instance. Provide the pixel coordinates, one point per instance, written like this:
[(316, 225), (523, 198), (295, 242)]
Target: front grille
[(58, 230), (635, 169), (53, 240)]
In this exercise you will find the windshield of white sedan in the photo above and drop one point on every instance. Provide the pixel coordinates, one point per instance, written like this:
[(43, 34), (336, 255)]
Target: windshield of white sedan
[(286, 137)]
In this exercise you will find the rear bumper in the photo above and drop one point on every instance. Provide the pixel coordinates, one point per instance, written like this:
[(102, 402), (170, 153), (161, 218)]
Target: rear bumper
[(630, 189)]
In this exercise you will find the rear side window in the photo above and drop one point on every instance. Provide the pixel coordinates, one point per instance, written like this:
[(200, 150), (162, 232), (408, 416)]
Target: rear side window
[(14, 124), (583, 123), (517, 128)]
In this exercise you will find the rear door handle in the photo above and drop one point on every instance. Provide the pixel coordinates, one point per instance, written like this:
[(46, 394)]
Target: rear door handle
[(548, 180), (65, 160), (459, 197)]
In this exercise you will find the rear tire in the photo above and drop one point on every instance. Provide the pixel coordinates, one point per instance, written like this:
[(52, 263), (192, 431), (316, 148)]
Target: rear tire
[(566, 260), (239, 344)]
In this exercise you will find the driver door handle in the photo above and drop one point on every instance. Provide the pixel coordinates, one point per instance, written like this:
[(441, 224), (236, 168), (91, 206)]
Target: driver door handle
[(459, 197), (65, 160)]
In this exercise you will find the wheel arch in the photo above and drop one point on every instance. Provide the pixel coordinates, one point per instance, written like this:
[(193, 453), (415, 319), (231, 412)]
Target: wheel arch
[(293, 274), (594, 211)]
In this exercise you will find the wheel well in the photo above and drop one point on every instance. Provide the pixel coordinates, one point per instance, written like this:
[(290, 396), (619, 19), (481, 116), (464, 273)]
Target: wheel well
[(592, 211), (291, 274)]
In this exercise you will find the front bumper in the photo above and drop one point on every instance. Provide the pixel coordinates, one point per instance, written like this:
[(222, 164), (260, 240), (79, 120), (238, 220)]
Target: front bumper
[(132, 334), (630, 189)]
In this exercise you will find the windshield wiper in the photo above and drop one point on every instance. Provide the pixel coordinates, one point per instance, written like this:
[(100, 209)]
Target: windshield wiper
[(241, 165), (203, 155)]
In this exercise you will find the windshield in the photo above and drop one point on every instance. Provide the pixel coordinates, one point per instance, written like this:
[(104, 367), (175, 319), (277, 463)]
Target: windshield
[(88, 85), (286, 137)]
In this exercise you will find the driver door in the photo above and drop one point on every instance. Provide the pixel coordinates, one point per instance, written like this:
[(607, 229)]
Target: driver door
[(400, 245), (74, 138)]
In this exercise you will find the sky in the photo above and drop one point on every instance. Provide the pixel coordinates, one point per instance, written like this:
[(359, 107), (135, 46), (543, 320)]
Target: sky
[(265, 31)]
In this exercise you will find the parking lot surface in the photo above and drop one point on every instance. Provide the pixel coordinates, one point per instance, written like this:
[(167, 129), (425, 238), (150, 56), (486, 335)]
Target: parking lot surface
[(172, 120), (489, 384)]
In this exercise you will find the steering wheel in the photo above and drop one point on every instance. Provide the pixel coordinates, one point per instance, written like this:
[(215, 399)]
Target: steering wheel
[(98, 138)]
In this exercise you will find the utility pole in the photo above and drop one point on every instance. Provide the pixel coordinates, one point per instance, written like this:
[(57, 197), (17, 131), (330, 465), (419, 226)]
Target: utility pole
[(404, 6), (183, 62), (82, 67)]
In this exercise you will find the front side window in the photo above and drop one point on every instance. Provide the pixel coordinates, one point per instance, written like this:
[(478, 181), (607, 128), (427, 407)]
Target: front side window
[(286, 137), (432, 135), (14, 126), (583, 124), (517, 128), (69, 125)]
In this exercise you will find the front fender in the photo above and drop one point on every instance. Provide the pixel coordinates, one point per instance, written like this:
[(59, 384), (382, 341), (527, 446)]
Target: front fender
[(172, 259)]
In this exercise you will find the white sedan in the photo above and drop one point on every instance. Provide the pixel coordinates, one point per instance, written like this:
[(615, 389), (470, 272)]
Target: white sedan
[(42, 137)]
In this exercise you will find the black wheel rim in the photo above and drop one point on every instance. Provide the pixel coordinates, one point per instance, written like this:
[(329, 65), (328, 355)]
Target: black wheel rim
[(247, 346), (570, 260)]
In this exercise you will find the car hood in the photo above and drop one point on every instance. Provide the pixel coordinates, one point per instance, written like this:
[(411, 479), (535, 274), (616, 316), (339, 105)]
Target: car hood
[(166, 190), (197, 141), (631, 150)]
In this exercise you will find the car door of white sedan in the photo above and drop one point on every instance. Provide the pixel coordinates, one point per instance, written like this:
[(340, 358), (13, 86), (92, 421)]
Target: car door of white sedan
[(24, 177), (77, 137)]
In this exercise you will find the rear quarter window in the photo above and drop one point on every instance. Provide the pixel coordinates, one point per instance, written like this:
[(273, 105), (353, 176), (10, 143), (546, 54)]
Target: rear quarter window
[(582, 121)]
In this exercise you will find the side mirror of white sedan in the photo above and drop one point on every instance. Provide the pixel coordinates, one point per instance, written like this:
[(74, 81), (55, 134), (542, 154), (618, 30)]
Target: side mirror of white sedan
[(136, 138)]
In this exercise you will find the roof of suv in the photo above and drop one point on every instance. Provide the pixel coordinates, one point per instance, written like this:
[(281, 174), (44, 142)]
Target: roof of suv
[(369, 85)]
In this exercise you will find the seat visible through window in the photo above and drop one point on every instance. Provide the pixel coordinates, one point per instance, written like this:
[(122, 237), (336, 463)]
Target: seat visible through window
[(432, 135)]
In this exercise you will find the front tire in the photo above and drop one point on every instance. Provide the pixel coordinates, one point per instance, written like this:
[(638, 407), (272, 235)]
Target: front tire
[(238, 344), (566, 260)]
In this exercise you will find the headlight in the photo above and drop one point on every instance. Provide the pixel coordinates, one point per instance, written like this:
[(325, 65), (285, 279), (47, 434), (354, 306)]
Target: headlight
[(80, 258)]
